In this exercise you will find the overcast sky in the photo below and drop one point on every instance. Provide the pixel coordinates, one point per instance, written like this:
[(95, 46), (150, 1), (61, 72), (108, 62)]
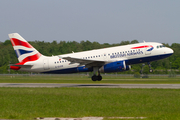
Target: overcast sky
[(103, 21)]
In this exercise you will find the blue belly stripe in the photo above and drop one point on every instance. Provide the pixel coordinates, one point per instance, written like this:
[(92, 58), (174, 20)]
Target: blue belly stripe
[(128, 62)]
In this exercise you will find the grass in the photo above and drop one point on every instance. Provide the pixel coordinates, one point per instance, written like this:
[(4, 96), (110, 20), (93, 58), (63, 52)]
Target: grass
[(28, 103), (86, 79)]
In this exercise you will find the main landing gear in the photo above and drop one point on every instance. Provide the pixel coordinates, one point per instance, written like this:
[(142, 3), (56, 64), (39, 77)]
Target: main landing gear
[(96, 77)]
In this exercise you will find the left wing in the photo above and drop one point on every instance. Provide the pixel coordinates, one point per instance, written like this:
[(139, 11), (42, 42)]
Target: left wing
[(88, 63)]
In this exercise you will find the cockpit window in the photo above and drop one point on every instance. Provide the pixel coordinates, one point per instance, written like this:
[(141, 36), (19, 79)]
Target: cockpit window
[(160, 46)]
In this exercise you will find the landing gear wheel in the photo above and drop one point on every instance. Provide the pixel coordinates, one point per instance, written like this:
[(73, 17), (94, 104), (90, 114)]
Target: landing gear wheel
[(150, 70), (99, 78), (94, 78)]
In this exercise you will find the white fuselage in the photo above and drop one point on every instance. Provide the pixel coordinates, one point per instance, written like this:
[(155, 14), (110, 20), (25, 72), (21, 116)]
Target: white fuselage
[(131, 54)]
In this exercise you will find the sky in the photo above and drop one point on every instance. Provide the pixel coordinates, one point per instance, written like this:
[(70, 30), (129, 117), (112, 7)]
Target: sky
[(103, 21)]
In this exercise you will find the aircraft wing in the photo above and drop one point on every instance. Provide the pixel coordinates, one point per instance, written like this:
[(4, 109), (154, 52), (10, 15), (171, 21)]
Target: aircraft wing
[(87, 62)]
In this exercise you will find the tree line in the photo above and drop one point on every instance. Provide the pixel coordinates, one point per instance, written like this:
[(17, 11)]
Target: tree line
[(8, 56)]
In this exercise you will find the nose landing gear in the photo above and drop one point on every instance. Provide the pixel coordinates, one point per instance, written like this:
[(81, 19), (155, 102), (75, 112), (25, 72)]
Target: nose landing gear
[(150, 69)]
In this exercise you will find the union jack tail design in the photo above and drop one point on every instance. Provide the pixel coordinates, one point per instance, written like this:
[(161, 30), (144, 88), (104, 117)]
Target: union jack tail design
[(24, 51)]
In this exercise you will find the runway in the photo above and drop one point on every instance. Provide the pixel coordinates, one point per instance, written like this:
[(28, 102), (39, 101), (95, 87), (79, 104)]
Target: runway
[(52, 85)]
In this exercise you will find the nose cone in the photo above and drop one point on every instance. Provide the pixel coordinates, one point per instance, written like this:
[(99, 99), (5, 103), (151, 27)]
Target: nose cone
[(170, 51)]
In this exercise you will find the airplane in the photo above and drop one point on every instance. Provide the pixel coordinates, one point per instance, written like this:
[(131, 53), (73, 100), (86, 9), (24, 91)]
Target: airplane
[(106, 60)]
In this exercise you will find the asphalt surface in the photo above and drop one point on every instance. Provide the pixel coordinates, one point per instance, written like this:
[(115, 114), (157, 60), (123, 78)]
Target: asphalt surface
[(52, 85)]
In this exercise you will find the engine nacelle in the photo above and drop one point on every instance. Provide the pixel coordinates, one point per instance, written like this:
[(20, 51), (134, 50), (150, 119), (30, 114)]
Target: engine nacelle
[(117, 66)]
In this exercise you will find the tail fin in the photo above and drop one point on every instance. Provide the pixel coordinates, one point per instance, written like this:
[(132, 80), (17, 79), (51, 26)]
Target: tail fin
[(24, 51)]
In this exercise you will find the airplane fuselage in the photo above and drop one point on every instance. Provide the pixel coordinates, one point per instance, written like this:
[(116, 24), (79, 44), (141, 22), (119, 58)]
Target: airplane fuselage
[(131, 54)]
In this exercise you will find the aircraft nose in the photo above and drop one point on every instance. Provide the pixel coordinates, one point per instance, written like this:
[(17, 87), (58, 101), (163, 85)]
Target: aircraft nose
[(170, 50)]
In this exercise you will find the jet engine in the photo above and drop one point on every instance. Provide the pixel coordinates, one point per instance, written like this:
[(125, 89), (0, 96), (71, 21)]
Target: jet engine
[(117, 66)]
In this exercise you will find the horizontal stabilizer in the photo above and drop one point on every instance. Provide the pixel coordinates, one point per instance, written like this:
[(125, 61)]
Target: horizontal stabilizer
[(22, 66)]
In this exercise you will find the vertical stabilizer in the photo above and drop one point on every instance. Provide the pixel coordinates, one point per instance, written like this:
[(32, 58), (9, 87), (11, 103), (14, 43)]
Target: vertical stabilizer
[(24, 51)]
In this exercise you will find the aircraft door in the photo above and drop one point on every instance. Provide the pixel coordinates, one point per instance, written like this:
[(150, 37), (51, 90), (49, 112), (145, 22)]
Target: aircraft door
[(147, 49), (46, 64)]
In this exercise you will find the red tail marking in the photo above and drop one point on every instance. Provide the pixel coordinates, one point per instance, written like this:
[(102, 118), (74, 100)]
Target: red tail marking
[(16, 67), (16, 42), (32, 58), (29, 58)]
